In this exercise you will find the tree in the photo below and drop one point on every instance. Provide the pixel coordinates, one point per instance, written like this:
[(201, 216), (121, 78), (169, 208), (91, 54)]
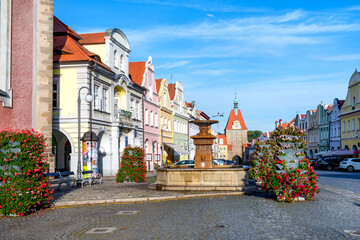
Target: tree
[(253, 135)]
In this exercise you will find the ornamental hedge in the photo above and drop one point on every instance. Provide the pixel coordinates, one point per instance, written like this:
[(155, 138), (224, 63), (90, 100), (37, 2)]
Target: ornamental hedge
[(23, 185), (279, 166), (133, 167)]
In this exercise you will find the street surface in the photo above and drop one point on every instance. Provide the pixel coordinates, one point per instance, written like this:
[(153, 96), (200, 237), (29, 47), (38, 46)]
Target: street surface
[(349, 181), (334, 214)]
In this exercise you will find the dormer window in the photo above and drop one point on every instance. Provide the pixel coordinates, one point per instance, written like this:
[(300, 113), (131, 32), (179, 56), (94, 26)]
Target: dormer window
[(354, 102), (116, 59), (122, 63)]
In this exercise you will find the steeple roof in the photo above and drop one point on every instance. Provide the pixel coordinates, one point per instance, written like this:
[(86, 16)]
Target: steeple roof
[(235, 114)]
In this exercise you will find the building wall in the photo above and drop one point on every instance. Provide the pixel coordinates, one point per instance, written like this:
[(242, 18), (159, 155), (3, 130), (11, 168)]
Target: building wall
[(350, 115), (235, 138), (31, 69), (166, 129), (20, 116), (151, 128), (335, 126), (99, 49)]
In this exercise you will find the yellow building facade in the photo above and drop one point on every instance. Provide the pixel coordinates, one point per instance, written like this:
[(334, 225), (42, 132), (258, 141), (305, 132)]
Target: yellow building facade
[(166, 121), (223, 147), (350, 115)]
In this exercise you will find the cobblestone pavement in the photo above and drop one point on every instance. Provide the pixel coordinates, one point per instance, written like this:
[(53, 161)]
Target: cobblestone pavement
[(110, 191), (331, 216)]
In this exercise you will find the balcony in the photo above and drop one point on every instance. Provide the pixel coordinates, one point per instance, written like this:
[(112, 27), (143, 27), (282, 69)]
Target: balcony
[(123, 116)]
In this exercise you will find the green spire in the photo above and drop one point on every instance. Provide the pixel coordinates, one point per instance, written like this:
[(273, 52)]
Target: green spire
[(235, 105)]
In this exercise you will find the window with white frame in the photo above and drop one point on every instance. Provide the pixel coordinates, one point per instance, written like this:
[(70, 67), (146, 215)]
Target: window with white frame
[(132, 107), (116, 59), (146, 117), (97, 100), (156, 120), (5, 56), (354, 101), (353, 125), (344, 126), (105, 100), (122, 63), (151, 118)]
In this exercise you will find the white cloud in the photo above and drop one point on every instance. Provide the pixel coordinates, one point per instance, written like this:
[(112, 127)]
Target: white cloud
[(269, 34), (203, 5), (210, 15), (172, 65), (344, 57)]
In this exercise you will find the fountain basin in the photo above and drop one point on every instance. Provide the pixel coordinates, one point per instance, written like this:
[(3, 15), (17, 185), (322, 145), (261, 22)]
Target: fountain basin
[(211, 179)]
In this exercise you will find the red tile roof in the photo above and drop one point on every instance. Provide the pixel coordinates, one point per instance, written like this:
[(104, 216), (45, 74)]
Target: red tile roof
[(330, 108), (158, 85), (246, 145), (92, 38), (67, 47), (188, 105), (201, 113), (302, 115), (234, 117), (171, 89), (293, 120), (136, 72), (223, 137), (61, 29)]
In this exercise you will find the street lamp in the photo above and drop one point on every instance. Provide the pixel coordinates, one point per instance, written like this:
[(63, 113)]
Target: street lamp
[(88, 99), (162, 142)]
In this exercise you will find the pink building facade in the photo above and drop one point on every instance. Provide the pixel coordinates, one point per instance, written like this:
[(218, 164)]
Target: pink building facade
[(142, 73), (26, 66)]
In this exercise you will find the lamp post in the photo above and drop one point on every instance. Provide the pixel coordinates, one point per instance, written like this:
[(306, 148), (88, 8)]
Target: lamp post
[(88, 99), (162, 142)]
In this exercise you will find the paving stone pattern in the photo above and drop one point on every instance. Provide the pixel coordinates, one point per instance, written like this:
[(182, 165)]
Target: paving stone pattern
[(224, 217)]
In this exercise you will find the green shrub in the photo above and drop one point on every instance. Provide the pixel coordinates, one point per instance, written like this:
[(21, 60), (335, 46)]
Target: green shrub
[(133, 167), (23, 186)]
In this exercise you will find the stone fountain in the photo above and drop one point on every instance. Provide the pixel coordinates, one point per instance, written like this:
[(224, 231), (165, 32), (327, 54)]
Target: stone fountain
[(204, 176)]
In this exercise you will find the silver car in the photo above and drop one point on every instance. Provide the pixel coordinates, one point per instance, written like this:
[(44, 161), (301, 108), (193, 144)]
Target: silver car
[(350, 164)]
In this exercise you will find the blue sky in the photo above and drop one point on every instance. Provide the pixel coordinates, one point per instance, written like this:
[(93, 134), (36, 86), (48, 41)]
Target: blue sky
[(280, 57)]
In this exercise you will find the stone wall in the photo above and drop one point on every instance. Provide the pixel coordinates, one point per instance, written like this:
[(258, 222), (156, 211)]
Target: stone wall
[(44, 64), (236, 138)]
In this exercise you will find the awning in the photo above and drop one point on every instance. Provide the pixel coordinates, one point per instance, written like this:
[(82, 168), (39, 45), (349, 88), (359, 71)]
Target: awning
[(338, 152), (177, 149)]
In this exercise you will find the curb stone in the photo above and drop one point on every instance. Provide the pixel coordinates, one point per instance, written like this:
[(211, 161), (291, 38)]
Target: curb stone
[(144, 199)]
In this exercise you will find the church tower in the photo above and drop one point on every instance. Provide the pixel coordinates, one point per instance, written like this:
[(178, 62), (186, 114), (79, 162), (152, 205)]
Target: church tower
[(236, 133)]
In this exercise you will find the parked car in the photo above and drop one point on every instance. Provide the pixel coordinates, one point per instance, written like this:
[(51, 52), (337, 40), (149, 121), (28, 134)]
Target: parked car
[(220, 161), (215, 162), (229, 162), (332, 162), (320, 164), (350, 164), (189, 163)]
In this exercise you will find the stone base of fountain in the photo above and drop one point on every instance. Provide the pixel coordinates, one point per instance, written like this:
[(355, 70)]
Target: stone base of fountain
[(211, 179)]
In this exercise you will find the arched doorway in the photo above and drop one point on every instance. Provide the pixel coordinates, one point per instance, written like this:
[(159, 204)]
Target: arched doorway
[(237, 159), (347, 147), (62, 151), (354, 148), (311, 154), (332, 148), (105, 164)]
